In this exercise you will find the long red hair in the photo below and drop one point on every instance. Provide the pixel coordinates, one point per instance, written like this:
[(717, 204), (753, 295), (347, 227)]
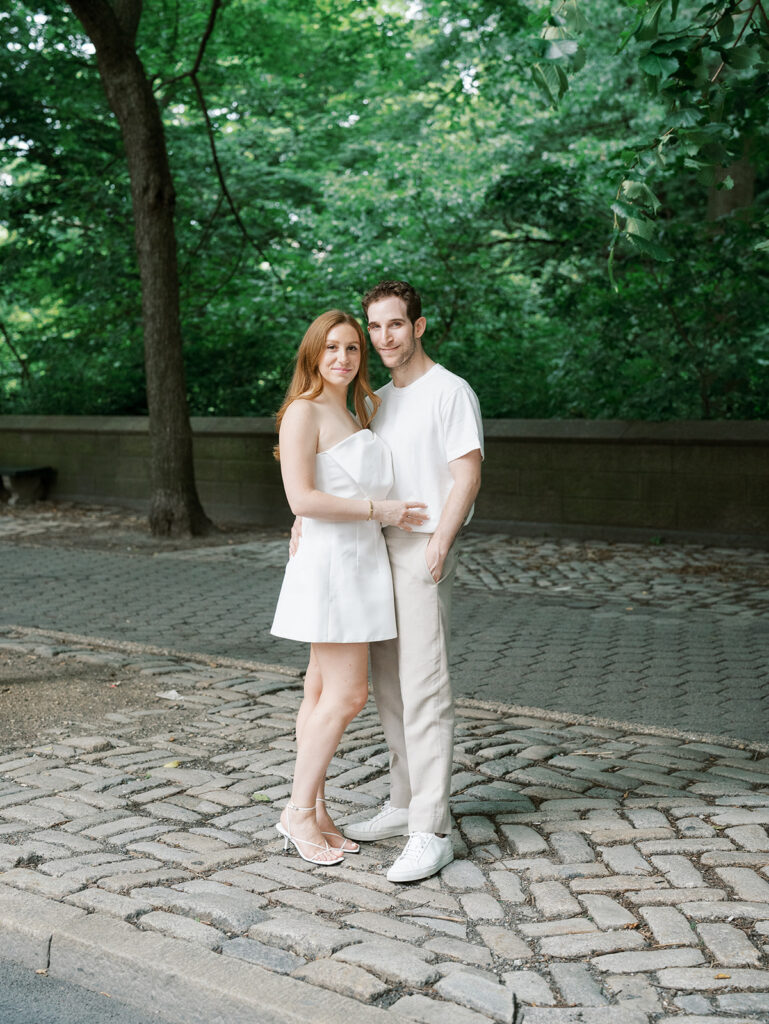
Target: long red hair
[(307, 381)]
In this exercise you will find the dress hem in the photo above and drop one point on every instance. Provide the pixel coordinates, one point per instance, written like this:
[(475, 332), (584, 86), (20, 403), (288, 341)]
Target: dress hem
[(324, 640)]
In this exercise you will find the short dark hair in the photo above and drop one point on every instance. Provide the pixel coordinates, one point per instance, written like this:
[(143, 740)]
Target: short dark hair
[(399, 289)]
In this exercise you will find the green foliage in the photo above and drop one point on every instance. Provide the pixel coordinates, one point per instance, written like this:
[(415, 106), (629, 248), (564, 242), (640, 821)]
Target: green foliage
[(496, 153)]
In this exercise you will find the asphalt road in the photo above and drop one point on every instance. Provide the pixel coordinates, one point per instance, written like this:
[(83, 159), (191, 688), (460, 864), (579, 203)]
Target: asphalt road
[(30, 998)]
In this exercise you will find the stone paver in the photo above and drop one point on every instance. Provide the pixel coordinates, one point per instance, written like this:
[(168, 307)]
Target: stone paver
[(633, 918), (603, 873), (655, 635)]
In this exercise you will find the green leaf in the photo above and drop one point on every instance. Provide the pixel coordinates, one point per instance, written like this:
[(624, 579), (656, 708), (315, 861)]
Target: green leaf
[(638, 190), (559, 48), (656, 66), (742, 56), (685, 117), (551, 80), (650, 248), (261, 798), (540, 79), (623, 209), (576, 21), (649, 26), (639, 227), (714, 152), (689, 146), (578, 59), (667, 46), (725, 28), (624, 39), (706, 133)]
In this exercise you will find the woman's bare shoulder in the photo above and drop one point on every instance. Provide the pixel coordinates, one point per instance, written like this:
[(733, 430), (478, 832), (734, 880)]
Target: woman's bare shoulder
[(303, 412)]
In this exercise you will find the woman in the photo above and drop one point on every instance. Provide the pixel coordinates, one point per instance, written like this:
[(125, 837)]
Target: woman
[(337, 591)]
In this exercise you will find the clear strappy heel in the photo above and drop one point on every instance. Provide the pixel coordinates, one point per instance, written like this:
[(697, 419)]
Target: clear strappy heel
[(348, 846), (295, 840)]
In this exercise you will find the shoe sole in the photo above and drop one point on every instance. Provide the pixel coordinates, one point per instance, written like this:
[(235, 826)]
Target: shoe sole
[(359, 836), (418, 875)]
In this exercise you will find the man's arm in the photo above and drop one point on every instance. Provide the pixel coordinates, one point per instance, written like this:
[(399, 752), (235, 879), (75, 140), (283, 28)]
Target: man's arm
[(466, 473)]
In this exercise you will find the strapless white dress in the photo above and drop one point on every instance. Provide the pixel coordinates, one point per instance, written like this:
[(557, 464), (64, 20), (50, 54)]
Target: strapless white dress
[(337, 588)]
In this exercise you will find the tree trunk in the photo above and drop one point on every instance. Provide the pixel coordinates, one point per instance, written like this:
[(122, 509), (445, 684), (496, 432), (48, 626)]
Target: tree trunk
[(742, 195), (175, 508)]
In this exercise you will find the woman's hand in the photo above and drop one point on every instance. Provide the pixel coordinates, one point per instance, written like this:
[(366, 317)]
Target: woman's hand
[(404, 514), (296, 536)]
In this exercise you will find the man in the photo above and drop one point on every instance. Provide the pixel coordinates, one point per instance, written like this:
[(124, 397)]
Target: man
[(430, 418)]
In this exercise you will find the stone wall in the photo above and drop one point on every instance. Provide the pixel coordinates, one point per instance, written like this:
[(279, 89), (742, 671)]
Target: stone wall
[(694, 480)]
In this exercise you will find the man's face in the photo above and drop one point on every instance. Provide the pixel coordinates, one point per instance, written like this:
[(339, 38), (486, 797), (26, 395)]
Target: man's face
[(392, 334)]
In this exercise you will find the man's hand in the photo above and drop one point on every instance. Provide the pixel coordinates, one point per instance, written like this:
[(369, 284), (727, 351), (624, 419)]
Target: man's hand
[(435, 557), (466, 476), (296, 536)]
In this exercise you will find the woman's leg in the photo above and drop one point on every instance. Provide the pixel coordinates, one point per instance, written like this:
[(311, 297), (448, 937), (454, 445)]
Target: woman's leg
[(313, 685), (343, 675)]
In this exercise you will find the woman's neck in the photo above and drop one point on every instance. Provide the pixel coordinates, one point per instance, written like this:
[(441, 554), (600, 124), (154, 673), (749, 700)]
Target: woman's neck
[(335, 395)]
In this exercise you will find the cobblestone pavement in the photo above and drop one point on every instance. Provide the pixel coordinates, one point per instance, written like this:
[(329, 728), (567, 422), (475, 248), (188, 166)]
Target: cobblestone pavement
[(668, 635), (602, 874)]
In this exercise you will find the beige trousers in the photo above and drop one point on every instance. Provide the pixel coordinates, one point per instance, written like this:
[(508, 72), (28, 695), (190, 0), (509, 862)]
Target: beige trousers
[(412, 689)]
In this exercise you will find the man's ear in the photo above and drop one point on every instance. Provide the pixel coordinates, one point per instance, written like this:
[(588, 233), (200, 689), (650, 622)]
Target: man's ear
[(419, 327)]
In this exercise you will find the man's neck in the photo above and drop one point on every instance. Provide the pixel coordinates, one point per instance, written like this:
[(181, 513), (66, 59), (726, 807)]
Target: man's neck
[(414, 369)]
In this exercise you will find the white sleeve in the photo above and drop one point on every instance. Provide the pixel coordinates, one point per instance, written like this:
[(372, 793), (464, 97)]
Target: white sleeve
[(462, 425)]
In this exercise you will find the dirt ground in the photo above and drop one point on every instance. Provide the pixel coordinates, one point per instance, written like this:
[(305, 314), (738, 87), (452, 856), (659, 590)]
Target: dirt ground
[(74, 524), (43, 697)]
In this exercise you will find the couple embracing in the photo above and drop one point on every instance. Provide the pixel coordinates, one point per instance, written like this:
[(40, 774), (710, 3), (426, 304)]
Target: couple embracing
[(380, 498)]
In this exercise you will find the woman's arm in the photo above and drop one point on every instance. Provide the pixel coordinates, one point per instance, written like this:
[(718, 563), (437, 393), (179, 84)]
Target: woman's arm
[(298, 448)]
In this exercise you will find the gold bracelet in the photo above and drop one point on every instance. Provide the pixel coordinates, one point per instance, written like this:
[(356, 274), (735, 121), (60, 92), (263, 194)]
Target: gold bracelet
[(370, 510)]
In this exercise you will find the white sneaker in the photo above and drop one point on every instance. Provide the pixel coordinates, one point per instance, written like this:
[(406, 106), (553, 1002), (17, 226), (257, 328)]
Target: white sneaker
[(424, 854), (390, 821)]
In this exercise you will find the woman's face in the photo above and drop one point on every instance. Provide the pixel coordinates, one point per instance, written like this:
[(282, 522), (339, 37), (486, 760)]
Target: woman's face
[(340, 359)]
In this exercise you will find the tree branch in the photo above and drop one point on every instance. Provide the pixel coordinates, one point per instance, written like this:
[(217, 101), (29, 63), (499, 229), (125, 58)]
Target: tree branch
[(204, 236), (204, 300), (748, 20), (223, 184), (192, 74), (215, 6)]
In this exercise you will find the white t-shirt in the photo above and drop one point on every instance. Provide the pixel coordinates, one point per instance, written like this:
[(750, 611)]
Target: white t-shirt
[(428, 424)]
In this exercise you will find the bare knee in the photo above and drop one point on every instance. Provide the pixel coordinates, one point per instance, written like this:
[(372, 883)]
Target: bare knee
[(344, 707), (313, 682), (358, 700)]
